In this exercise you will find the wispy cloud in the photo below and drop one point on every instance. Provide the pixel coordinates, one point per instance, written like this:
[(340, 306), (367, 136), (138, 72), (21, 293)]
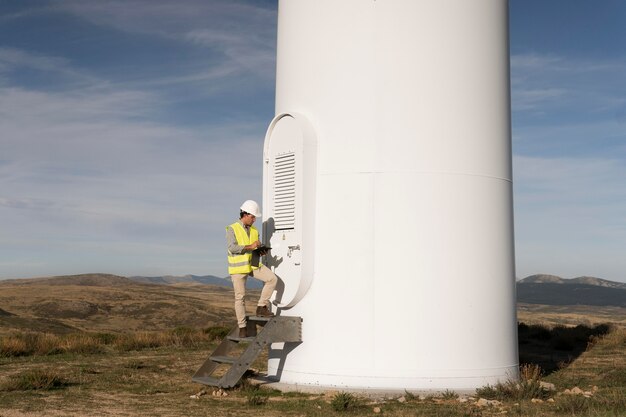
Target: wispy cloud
[(11, 58), (544, 83), (246, 52), (554, 63), (243, 33), (534, 61), (13, 61), (568, 107), (534, 98), (171, 19), (26, 203), (591, 139), (587, 181)]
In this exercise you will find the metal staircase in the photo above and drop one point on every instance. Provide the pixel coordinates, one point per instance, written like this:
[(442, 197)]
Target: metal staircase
[(273, 330)]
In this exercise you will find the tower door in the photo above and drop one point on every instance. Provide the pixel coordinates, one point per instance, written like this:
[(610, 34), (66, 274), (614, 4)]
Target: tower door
[(289, 205)]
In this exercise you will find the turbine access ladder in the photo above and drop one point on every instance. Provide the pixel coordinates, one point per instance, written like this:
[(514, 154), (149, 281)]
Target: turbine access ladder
[(273, 330)]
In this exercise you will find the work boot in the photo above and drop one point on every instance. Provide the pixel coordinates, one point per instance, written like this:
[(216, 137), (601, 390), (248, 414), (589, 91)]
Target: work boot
[(243, 332), (263, 311)]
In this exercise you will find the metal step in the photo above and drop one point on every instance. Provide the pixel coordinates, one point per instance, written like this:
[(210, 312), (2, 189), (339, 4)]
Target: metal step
[(260, 318), (223, 359), (240, 339), (207, 380)]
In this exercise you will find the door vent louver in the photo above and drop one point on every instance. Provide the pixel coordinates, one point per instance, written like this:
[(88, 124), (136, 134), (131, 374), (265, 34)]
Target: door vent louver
[(285, 191)]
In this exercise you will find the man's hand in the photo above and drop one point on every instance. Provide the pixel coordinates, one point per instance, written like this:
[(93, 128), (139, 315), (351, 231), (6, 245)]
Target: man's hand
[(253, 245)]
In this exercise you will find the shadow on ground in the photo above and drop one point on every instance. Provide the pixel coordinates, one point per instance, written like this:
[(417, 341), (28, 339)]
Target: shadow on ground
[(553, 348)]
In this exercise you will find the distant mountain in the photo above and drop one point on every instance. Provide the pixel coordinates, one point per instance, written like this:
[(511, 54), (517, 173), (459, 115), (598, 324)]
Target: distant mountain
[(599, 282), (199, 279), (106, 280), (553, 279), (94, 280), (172, 279), (542, 279), (554, 290)]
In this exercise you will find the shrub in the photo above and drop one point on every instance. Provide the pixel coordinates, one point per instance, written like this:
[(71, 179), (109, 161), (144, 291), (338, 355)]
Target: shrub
[(105, 338), (601, 329), (530, 372), (256, 397), (183, 336), (12, 347), (409, 395), (81, 343), (527, 388), (615, 339), (254, 394), (613, 401), (539, 332), (44, 343), (449, 395), (34, 380), (488, 391), (563, 343), (344, 401), (473, 412), (137, 341), (31, 343), (572, 404), (216, 332), (22, 344)]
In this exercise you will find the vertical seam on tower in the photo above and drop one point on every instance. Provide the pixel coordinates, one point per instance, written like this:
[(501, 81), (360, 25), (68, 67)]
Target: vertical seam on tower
[(375, 87)]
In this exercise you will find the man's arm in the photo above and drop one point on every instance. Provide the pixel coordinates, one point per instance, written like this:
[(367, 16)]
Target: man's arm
[(231, 242), (236, 249)]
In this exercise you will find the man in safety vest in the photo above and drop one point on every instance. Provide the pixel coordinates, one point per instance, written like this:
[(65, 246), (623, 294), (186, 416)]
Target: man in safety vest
[(243, 239)]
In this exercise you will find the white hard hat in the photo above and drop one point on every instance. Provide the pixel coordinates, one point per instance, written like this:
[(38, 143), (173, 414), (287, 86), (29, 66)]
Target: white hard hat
[(250, 206)]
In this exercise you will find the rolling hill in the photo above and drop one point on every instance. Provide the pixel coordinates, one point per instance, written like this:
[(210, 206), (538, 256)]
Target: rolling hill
[(553, 279), (557, 291), (103, 302)]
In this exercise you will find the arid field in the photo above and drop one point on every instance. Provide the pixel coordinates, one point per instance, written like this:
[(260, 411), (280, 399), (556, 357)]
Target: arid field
[(101, 345)]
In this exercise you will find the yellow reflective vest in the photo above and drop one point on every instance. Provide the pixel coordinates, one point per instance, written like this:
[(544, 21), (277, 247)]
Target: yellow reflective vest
[(241, 263)]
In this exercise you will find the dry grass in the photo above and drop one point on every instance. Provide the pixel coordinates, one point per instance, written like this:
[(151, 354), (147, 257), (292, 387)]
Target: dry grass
[(156, 382), (30, 343), (612, 340), (571, 315), (527, 388), (530, 372), (39, 379), (345, 401)]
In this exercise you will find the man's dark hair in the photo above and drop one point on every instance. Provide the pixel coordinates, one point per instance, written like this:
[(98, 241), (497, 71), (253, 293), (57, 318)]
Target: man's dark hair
[(242, 213)]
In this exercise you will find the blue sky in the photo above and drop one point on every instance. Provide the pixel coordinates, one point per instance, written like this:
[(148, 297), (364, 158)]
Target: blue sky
[(125, 125)]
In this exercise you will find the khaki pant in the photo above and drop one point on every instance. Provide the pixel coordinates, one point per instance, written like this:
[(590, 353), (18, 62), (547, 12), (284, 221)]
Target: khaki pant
[(239, 284)]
